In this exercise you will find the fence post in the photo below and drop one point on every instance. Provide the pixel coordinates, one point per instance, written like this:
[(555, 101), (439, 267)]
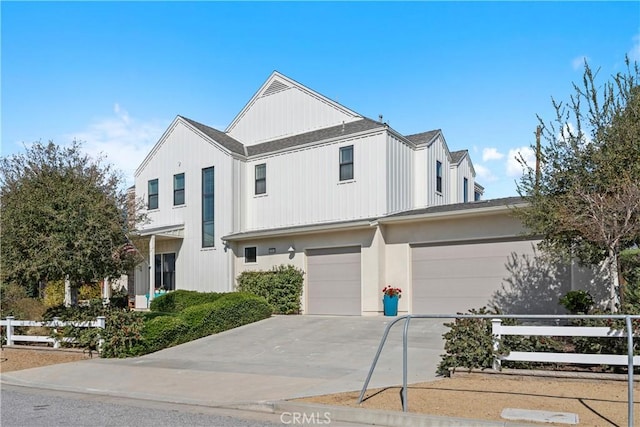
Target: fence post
[(55, 324), (496, 332), (101, 320), (10, 330)]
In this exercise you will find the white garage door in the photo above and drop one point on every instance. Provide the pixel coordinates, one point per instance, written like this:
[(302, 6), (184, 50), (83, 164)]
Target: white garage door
[(333, 277), (454, 278)]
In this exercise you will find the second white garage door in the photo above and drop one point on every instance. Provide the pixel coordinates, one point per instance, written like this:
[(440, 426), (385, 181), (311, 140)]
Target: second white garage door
[(454, 278), (333, 281)]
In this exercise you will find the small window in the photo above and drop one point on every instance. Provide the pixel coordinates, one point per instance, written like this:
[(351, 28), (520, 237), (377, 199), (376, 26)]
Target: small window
[(465, 189), (178, 189), (152, 203), (438, 176), (261, 179), (250, 254), (346, 163), (476, 196)]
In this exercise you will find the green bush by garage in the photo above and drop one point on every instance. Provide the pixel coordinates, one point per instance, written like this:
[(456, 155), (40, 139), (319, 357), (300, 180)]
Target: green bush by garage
[(281, 287), (176, 301)]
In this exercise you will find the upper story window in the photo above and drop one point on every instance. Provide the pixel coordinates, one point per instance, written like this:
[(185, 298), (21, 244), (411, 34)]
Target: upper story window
[(261, 179), (152, 191), (250, 254), (207, 208), (465, 189), (438, 176), (346, 163), (476, 196), (178, 189)]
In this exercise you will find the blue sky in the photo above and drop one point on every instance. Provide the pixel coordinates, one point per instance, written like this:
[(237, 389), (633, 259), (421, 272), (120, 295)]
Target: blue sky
[(115, 74)]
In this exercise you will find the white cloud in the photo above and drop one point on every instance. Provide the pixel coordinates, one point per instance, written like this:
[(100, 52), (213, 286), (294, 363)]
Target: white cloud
[(124, 140), (634, 53), (514, 169), (578, 62), (491, 154), (484, 174)]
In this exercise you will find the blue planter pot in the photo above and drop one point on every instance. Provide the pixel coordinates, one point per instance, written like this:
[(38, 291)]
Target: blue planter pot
[(390, 304)]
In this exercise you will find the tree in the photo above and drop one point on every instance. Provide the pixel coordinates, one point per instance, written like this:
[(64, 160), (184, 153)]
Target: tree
[(62, 216), (585, 199)]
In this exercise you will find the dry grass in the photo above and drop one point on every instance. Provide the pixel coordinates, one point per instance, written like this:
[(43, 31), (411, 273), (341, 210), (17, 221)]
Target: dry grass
[(25, 357)]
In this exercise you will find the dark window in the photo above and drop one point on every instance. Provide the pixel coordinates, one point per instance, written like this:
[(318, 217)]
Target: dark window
[(261, 178), (465, 189), (476, 195), (250, 254), (346, 163), (207, 208), (438, 176), (178, 189), (153, 194), (165, 271)]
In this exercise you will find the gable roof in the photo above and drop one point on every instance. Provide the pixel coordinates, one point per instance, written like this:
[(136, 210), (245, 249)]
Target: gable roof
[(314, 136), (457, 156), (220, 137), (424, 137), (259, 106)]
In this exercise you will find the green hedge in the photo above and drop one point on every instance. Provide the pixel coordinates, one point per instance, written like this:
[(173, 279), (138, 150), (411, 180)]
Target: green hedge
[(228, 312), (163, 332), (281, 287), (176, 301)]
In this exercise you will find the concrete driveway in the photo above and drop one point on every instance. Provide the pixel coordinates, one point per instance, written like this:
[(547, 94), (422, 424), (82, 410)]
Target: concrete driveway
[(278, 358)]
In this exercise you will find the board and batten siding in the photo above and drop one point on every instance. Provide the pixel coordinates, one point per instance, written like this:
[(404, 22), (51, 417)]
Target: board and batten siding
[(399, 175), (303, 186), (286, 112), (458, 173), (437, 152), (184, 151)]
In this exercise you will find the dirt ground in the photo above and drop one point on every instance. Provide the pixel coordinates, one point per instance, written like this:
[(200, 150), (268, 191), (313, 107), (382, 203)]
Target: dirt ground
[(24, 357), (481, 396), (477, 396)]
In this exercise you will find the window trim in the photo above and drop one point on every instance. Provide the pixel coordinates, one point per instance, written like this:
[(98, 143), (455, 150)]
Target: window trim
[(153, 196), (260, 180), (204, 198), (343, 163), (255, 254), (177, 191), (438, 176)]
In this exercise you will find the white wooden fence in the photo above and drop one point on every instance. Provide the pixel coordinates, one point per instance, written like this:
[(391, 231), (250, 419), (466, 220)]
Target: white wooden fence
[(498, 330), (11, 323)]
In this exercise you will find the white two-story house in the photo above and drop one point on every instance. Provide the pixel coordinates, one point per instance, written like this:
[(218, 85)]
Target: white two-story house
[(297, 178)]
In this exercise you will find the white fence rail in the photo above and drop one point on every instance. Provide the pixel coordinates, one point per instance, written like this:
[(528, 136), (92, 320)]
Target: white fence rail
[(498, 330), (10, 323)]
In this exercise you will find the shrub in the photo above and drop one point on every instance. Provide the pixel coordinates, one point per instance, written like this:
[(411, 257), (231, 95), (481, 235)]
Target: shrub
[(281, 287), (163, 332), (15, 302), (228, 312), (176, 301), (88, 291), (577, 302), (54, 293)]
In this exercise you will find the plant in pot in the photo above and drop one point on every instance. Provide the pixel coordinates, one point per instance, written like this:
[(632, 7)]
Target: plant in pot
[(390, 299)]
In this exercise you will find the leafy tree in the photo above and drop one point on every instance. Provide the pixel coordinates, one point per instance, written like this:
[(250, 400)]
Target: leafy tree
[(585, 199), (62, 216)]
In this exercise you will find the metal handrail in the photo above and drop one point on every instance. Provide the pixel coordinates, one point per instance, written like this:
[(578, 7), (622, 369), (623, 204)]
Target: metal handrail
[(407, 318)]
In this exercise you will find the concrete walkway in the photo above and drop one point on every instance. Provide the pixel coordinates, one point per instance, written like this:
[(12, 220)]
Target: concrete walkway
[(283, 357)]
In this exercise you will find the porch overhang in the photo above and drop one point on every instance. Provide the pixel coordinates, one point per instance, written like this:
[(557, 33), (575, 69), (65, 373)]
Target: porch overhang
[(173, 231), (298, 230)]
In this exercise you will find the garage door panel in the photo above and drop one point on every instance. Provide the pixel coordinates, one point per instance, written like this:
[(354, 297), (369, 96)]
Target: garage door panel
[(454, 278), (333, 281)]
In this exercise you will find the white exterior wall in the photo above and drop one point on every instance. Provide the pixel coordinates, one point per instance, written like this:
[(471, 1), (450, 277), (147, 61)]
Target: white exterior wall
[(197, 268), (458, 173), (303, 186), (400, 177), (420, 177), (437, 151), (287, 112)]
